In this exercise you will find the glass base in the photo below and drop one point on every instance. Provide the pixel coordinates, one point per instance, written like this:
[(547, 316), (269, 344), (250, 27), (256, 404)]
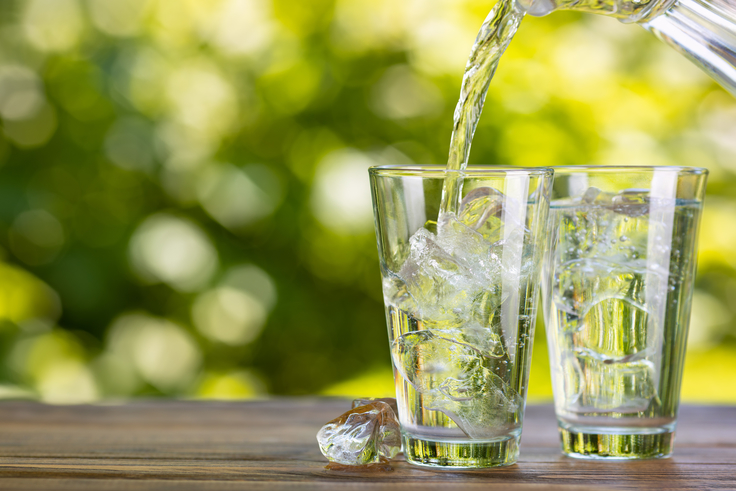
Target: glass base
[(611, 446), (460, 455)]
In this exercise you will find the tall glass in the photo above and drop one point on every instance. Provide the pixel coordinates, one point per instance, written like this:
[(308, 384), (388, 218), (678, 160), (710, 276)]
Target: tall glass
[(460, 292), (617, 304)]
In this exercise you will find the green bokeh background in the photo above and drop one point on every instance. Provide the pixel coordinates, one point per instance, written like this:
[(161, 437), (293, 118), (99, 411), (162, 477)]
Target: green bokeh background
[(184, 203)]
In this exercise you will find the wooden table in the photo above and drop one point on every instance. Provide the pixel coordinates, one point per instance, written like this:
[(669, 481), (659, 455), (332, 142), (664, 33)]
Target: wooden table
[(263, 445)]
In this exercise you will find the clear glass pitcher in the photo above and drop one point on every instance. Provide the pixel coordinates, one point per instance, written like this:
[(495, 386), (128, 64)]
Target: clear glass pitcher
[(702, 30)]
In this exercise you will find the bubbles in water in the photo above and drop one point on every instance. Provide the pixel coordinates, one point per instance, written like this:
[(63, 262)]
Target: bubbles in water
[(605, 312)]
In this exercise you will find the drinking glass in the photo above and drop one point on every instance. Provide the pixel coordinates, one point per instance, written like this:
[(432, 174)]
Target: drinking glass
[(617, 294), (460, 291)]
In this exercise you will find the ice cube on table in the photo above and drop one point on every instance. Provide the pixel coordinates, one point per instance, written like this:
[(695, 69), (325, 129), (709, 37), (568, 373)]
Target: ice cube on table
[(376, 467), (367, 434), (364, 401)]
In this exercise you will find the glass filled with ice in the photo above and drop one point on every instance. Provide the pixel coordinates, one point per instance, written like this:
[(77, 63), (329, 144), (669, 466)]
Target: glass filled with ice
[(460, 290), (617, 294)]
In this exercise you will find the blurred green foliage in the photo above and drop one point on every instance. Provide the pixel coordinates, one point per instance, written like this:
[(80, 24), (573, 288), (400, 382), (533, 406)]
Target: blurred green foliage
[(184, 204)]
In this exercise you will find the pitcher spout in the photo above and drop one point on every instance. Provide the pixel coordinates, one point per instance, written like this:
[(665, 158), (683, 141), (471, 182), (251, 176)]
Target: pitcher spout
[(704, 31), (625, 10)]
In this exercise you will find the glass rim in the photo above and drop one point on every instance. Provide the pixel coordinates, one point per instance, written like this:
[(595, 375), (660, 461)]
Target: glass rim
[(604, 169), (438, 170)]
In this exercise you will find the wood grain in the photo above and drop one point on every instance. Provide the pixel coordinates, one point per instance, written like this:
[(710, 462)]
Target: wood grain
[(264, 445)]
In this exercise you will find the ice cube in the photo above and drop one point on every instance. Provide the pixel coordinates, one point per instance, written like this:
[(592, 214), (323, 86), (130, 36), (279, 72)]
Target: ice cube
[(456, 276), (631, 202), (617, 229), (510, 250), (481, 210), (485, 340), (572, 378), (469, 248), (364, 401), (367, 434), (595, 196), (491, 213), (458, 239), (626, 386), (590, 194), (581, 283), (481, 403), (426, 359), (402, 322), (441, 286), (396, 293), (445, 306), (486, 305), (614, 328), (584, 231), (453, 370)]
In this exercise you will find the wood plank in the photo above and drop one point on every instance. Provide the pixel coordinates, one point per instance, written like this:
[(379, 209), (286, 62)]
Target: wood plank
[(179, 485), (271, 445)]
